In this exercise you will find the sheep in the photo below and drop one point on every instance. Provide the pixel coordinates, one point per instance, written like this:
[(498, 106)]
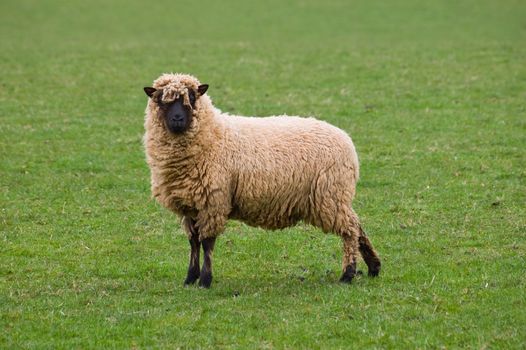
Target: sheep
[(207, 167)]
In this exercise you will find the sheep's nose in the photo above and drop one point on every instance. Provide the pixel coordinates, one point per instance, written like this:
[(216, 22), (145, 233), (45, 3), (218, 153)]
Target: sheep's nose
[(177, 117)]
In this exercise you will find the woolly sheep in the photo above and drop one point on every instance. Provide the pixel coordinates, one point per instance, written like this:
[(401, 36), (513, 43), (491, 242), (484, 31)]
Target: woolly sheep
[(208, 167)]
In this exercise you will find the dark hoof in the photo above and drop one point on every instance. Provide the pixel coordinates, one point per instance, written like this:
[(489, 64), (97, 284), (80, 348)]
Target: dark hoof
[(191, 277), (374, 273), (346, 279), (205, 281), (374, 270), (190, 280), (348, 274)]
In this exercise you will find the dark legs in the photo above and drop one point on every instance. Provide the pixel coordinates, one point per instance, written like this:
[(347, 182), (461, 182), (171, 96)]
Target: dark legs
[(193, 267), (369, 254), (205, 275), (206, 272), (354, 240)]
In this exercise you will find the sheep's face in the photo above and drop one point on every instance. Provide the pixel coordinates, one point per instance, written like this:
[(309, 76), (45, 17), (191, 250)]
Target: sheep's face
[(176, 106)]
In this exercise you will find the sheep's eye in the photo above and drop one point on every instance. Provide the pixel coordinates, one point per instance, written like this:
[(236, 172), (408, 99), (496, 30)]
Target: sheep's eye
[(162, 104)]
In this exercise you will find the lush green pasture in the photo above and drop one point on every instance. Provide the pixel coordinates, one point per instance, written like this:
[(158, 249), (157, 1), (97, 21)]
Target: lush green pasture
[(433, 94)]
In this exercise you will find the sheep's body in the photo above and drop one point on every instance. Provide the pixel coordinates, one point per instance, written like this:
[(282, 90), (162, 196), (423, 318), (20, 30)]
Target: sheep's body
[(268, 172), (276, 182)]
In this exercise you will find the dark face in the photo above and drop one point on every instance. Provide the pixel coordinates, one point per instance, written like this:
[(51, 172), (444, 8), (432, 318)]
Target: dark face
[(177, 116)]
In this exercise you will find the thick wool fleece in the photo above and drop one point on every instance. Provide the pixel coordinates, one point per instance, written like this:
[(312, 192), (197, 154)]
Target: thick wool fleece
[(269, 172)]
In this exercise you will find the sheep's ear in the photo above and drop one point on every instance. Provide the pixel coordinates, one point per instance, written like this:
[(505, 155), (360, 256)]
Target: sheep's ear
[(201, 89), (150, 91)]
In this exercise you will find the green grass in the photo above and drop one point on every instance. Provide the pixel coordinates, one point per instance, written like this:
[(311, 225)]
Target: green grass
[(433, 94)]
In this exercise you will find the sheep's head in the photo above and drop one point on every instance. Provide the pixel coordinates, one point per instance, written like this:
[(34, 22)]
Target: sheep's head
[(176, 96)]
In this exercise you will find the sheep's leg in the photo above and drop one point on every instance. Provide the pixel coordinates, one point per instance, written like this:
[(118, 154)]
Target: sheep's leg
[(206, 272), (350, 252), (369, 255), (349, 230), (193, 267), (193, 238)]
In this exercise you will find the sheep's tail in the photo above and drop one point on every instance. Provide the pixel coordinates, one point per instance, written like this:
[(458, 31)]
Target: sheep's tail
[(369, 255)]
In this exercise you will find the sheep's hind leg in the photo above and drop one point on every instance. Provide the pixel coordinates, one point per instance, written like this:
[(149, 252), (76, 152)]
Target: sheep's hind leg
[(349, 230), (195, 245), (369, 255), (206, 272), (350, 252)]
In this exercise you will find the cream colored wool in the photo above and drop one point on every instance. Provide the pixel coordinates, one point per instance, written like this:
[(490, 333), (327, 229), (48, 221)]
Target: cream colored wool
[(268, 172)]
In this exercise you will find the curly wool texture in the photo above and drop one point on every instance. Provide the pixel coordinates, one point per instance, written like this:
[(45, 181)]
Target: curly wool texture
[(172, 89), (269, 172)]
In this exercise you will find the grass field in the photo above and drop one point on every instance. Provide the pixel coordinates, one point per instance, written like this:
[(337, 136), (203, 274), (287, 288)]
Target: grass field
[(433, 94)]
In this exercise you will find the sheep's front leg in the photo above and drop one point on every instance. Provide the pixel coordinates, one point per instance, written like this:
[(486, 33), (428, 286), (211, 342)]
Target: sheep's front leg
[(206, 272), (211, 223), (193, 238)]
